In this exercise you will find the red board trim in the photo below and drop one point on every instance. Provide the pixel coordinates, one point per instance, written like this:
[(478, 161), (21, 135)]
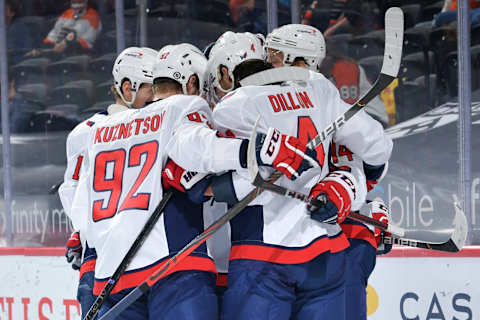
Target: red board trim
[(397, 252)]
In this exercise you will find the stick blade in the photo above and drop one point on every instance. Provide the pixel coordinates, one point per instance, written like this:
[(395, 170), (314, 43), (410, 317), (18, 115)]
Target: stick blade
[(459, 236), (393, 41), (252, 164)]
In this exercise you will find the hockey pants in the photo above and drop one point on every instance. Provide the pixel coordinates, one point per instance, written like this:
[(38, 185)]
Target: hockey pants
[(183, 295), (269, 291), (361, 258)]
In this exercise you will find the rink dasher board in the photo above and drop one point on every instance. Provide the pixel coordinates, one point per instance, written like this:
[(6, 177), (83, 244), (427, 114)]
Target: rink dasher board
[(407, 284)]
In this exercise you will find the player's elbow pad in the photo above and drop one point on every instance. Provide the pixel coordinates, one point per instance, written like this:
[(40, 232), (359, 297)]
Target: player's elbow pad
[(374, 174)]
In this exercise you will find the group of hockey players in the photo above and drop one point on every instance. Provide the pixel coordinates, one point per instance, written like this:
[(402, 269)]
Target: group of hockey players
[(181, 122)]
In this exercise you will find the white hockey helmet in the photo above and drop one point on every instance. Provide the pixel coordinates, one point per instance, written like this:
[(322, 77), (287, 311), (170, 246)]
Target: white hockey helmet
[(179, 62), (135, 65), (230, 50), (298, 41)]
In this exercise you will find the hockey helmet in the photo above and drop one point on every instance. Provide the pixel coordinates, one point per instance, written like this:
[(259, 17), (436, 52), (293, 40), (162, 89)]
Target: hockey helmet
[(135, 65), (229, 51), (298, 41), (179, 62)]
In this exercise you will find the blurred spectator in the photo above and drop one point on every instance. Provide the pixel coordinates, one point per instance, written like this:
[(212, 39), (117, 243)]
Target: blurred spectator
[(449, 13), (75, 30), (351, 80), (341, 16), (17, 45), (249, 15), (240, 7), (18, 106)]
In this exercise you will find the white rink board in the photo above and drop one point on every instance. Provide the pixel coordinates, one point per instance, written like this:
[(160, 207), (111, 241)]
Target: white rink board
[(425, 288), (44, 286), (422, 288)]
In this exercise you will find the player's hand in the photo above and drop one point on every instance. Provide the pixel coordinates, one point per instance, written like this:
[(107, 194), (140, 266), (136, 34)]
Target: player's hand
[(285, 153), (337, 191), (192, 183), (380, 212), (74, 251), (60, 47)]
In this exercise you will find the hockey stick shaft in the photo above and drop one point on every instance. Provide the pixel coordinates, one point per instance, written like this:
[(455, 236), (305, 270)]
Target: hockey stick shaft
[(176, 259), (319, 203), (142, 236)]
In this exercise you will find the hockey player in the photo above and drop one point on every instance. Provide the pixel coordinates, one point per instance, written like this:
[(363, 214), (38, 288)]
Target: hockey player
[(127, 153), (286, 263), (132, 74), (304, 46), (220, 82)]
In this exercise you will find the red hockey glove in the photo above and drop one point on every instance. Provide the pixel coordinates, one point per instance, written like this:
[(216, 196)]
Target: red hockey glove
[(337, 189), (190, 182), (74, 251), (380, 212), (285, 153)]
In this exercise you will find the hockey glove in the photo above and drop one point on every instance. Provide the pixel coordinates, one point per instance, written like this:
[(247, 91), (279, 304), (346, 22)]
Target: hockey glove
[(285, 153), (337, 191), (74, 251), (192, 183), (380, 212)]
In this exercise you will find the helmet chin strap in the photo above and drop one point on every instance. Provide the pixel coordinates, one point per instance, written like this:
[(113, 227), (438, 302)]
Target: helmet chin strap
[(128, 103), (219, 77)]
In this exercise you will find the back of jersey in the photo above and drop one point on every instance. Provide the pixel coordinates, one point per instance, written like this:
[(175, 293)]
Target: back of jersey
[(126, 155), (298, 109), (303, 110)]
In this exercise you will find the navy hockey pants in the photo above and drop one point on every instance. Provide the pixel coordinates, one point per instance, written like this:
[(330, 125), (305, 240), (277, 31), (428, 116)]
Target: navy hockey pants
[(85, 292), (269, 291), (183, 295), (361, 258)]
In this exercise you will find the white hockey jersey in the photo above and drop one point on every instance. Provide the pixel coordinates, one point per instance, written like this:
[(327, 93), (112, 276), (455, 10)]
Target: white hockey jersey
[(127, 153), (342, 158), (76, 151), (275, 228)]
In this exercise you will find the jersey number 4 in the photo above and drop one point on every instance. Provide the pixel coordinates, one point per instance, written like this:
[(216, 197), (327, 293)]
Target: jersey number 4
[(306, 132), (114, 182)]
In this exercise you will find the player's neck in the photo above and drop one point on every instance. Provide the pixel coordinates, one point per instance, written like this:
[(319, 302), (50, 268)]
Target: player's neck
[(165, 94)]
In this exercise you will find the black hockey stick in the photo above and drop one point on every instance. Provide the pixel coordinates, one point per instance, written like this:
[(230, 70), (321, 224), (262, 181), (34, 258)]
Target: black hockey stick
[(390, 66), (395, 21), (54, 188), (454, 244), (176, 259), (389, 71), (142, 236)]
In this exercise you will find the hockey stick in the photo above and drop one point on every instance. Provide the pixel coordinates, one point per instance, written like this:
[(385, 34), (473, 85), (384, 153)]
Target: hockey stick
[(390, 66), (177, 258), (54, 188), (454, 244), (394, 20), (142, 236), (389, 71)]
